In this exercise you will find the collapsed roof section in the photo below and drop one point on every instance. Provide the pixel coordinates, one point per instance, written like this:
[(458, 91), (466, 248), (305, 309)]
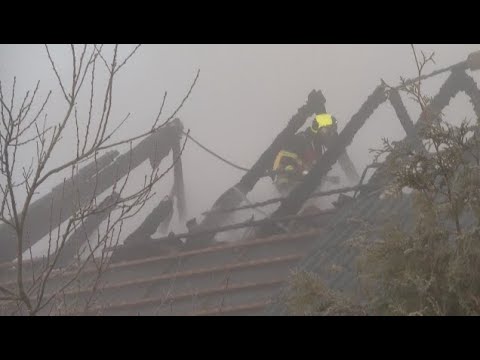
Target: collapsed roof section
[(52, 209)]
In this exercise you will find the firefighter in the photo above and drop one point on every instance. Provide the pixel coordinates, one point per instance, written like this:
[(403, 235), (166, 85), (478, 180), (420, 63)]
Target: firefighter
[(301, 152)]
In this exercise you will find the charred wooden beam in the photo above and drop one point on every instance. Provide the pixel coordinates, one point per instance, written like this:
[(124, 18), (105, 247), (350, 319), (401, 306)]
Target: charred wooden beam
[(469, 86), (405, 120), (249, 223), (276, 200), (151, 223), (451, 87), (61, 204), (456, 82), (178, 185), (38, 218)]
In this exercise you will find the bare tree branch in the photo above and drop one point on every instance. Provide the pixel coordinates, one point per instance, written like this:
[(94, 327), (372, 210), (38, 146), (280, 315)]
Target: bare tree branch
[(160, 112), (128, 57), (56, 74), (71, 207)]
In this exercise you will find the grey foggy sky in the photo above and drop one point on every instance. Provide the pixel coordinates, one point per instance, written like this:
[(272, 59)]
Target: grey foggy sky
[(245, 96)]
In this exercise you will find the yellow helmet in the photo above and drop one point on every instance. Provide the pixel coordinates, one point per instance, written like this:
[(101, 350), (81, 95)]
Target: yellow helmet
[(322, 121)]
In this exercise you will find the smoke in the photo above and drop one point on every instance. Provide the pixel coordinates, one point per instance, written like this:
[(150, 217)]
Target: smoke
[(244, 97)]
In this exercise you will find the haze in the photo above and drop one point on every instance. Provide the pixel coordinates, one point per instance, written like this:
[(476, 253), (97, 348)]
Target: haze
[(244, 97)]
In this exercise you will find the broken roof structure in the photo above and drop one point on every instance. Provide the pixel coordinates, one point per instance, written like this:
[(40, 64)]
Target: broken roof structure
[(198, 276)]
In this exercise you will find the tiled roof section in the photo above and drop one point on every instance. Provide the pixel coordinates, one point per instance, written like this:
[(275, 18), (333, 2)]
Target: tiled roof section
[(333, 256), (224, 279)]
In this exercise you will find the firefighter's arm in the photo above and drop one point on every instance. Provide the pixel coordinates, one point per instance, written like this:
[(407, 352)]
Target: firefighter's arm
[(270, 173)]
